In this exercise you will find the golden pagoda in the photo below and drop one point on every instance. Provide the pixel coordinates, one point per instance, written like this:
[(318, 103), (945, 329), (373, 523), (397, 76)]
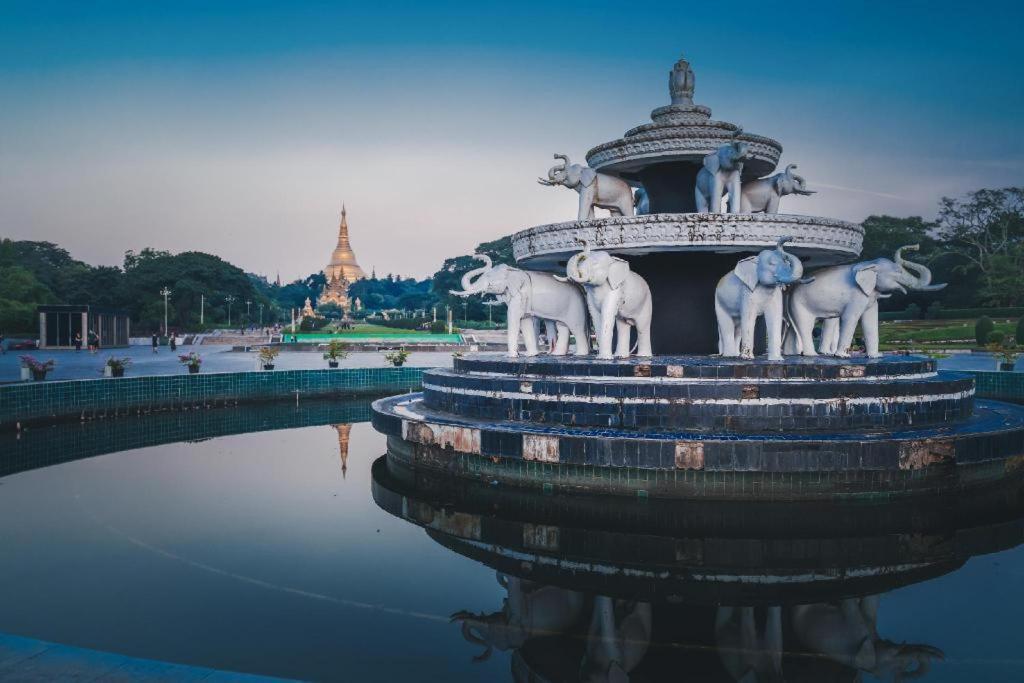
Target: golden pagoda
[(342, 270)]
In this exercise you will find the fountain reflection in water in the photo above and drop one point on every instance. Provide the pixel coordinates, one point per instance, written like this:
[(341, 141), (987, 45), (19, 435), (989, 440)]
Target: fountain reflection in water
[(597, 589)]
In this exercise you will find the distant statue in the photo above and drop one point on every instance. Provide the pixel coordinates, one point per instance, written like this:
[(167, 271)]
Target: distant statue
[(681, 82), (763, 195), (595, 189), (641, 202), (720, 174), (307, 309)]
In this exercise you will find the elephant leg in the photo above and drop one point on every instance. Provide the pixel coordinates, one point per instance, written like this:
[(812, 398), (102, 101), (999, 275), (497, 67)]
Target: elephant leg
[(530, 340), (734, 193), (550, 335), (515, 324), (582, 334), (586, 207), (701, 201), (847, 327), (561, 340), (726, 332), (643, 336), (748, 322), (869, 326), (606, 329), (622, 338), (803, 322), (716, 195), (829, 341), (773, 322)]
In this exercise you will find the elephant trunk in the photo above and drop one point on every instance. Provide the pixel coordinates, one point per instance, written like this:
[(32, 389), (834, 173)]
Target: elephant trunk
[(796, 265), (920, 275), (572, 267), (554, 170), (468, 285)]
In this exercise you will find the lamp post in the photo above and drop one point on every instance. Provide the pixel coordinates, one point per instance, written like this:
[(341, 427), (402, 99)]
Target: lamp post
[(490, 306), (202, 306), (261, 315), (230, 300), (165, 292), (247, 305)]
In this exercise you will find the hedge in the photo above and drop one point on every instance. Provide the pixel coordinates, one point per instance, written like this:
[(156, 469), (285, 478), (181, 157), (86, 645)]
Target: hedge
[(938, 313)]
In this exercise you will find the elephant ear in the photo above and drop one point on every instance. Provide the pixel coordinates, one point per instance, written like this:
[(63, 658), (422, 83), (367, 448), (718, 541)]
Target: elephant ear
[(617, 273), (712, 162), (866, 278), (746, 271), (517, 280), (588, 176)]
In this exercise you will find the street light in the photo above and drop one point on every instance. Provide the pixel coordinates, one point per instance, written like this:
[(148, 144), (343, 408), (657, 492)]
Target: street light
[(261, 315), (490, 306), (230, 300), (202, 307), (247, 304), (165, 292)]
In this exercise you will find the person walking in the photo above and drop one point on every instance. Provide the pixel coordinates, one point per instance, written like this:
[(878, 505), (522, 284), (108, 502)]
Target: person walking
[(78, 341), (156, 342), (173, 341), (3, 349), (94, 341)]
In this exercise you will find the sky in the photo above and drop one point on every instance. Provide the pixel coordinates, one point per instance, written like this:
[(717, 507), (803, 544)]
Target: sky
[(239, 128)]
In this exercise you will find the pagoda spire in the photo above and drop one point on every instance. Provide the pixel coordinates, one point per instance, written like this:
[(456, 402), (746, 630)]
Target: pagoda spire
[(343, 229)]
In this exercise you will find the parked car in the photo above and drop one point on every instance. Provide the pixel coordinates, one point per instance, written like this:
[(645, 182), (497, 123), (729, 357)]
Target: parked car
[(22, 345)]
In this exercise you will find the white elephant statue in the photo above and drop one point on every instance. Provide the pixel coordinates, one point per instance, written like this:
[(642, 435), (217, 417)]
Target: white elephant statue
[(763, 195), (618, 639), (752, 289), (598, 190), (847, 633), (747, 654), (850, 293), (617, 299), (529, 295), (720, 174), (641, 201), (531, 609)]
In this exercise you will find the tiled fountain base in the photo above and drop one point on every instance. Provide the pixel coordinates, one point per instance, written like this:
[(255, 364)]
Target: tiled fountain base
[(706, 428)]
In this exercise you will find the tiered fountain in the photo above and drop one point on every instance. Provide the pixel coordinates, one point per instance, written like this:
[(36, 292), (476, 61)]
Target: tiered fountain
[(668, 406)]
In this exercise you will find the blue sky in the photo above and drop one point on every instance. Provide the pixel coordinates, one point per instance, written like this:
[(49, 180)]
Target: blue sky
[(238, 128)]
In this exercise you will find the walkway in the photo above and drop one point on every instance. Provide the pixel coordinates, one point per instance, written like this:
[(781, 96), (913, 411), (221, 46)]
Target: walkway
[(27, 659), (84, 365)]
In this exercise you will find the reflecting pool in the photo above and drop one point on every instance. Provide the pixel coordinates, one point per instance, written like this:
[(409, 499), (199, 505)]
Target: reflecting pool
[(277, 540)]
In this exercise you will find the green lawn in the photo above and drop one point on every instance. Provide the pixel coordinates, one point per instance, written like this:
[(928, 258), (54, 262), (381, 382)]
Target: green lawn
[(932, 331)]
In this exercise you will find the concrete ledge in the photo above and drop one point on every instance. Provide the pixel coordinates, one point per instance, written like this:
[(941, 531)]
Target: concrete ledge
[(34, 402), (27, 659)]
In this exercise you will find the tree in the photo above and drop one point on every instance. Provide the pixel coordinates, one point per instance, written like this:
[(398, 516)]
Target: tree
[(449, 277), (20, 293), (985, 230)]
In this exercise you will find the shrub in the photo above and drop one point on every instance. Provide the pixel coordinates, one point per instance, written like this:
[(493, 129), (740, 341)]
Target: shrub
[(438, 327), (1019, 332), (312, 324), (966, 313), (336, 350), (934, 311), (913, 311), (982, 329), (397, 358), (996, 338)]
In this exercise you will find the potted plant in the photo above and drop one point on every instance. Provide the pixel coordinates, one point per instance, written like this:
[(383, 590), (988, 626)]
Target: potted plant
[(1005, 350), (336, 350), (114, 367), (36, 368), (191, 360), (267, 354), (397, 357)]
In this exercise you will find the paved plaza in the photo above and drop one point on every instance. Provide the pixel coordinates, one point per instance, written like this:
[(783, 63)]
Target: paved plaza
[(85, 365)]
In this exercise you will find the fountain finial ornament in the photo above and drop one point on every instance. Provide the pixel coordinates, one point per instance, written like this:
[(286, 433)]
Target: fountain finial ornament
[(681, 82)]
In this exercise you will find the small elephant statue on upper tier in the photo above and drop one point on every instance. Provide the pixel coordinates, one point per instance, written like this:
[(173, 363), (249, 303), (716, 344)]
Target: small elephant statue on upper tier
[(595, 189), (763, 195), (851, 293), (617, 299), (530, 295), (752, 289), (721, 174)]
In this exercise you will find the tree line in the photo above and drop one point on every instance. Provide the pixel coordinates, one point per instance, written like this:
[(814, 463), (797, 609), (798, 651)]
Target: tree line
[(975, 243)]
